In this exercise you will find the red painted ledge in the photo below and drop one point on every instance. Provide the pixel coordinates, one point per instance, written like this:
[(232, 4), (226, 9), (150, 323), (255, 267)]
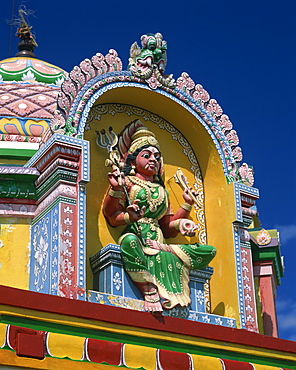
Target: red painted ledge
[(121, 316)]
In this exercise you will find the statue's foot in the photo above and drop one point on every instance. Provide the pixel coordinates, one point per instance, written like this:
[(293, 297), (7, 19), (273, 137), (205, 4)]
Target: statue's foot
[(152, 303), (153, 244), (151, 298), (159, 246)]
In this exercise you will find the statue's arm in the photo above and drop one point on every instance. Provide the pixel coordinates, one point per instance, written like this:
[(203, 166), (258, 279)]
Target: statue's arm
[(113, 210)]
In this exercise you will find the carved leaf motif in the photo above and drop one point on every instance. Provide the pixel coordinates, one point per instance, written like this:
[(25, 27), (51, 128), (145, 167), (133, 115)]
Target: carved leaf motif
[(114, 62), (58, 121), (185, 83), (63, 102), (225, 123), (232, 138), (98, 61), (200, 94), (77, 76), (87, 69), (69, 89), (237, 154), (246, 174), (214, 108)]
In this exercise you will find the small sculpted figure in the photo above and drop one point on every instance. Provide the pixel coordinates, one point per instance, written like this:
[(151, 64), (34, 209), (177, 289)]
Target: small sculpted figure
[(160, 270)]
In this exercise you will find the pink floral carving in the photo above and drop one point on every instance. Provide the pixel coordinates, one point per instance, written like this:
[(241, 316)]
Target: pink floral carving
[(232, 138), (20, 138), (153, 82), (225, 123), (185, 83), (88, 94), (77, 76), (8, 138), (113, 61), (237, 154), (214, 108), (58, 121), (87, 69), (33, 139), (246, 174), (63, 102), (200, 94), (98, 61), (69, 89)]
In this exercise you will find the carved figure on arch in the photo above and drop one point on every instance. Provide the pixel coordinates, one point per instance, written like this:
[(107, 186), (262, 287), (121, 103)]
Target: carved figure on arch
[(138, 199)]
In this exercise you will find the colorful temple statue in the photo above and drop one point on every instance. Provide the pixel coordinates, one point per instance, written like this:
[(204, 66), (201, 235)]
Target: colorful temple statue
[(137, 198), (86, 257)]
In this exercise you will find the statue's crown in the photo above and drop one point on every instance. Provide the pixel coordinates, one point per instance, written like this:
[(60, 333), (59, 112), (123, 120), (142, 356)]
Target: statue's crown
[(143, 137)]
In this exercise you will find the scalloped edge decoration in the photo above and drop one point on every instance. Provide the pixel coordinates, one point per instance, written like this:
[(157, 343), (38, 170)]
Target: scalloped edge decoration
[(93, 74), (79, 77)]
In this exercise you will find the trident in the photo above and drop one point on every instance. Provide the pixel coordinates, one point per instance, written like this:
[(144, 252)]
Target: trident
[(109, 141)]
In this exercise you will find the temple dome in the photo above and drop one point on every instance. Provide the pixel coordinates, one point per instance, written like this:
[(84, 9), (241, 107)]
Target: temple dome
[(28, 97), (26, 69)]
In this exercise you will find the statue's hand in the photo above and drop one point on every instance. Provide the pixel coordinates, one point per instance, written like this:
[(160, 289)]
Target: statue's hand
[(116, 179), (135, 212), (187, 227), (186, 196)]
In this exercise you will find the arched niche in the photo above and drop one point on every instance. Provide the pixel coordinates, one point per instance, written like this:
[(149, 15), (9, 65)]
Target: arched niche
[(118, 106)]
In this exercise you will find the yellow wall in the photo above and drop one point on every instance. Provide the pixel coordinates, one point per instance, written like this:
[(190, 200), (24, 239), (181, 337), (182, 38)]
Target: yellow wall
[(14, 252), (219, 197)]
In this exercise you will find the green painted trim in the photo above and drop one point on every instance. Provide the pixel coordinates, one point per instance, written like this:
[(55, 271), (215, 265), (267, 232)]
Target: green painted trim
[(55, 177), (10, 153), (149, 342), (17, 189)]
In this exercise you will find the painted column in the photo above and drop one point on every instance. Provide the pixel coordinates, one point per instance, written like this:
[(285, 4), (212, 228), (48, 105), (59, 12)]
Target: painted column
[(245, 198), (267, 288), (58, 228)]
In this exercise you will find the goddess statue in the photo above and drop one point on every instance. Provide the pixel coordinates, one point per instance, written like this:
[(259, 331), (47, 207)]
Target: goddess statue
[(138, 199)]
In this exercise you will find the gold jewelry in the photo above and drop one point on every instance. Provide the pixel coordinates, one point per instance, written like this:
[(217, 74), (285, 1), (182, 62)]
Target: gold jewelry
[(142, 137), (132, 171), (152, 300), (186, 206), (150, 188), (126, 218), (176, 224), (150, 293), (115, 193)]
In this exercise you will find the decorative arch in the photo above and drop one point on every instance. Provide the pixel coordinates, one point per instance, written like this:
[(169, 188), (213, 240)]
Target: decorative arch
[(95, 76)]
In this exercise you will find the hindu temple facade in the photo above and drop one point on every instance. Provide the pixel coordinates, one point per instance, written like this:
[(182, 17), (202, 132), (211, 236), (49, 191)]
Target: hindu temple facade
[(66, 299)]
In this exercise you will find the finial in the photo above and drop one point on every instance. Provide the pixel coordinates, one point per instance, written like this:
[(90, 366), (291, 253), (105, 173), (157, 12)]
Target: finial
[(27, 43)]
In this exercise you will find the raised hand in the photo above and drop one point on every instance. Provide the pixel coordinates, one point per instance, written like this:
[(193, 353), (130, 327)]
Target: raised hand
[(116, 179), (135, 212), (186, 195), (187, 227)]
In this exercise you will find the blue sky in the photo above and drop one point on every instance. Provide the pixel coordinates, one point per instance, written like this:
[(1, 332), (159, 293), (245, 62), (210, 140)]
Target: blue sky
[(244, 55)]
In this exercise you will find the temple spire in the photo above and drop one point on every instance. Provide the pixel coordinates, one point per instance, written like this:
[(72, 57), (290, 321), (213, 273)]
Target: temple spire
[(27, 41)]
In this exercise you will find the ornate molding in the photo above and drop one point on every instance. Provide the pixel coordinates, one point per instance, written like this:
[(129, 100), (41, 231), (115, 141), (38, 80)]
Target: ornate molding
[(94, 74), (77, 79)]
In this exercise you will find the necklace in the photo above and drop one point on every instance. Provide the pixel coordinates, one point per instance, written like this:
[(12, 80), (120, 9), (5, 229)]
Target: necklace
[(151, 188)]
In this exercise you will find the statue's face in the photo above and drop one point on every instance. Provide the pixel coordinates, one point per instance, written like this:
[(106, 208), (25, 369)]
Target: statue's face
[(148, 161)]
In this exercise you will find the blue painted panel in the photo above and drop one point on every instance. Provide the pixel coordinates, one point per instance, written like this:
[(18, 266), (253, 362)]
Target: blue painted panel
[(41, 234)]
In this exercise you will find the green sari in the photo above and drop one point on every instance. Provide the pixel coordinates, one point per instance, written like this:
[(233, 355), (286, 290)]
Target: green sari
[(169, 272)]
